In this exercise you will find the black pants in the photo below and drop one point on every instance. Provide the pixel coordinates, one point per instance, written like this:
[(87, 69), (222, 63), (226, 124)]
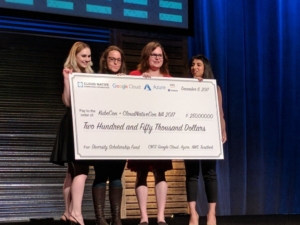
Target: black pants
[(109, 170), (208, 168)]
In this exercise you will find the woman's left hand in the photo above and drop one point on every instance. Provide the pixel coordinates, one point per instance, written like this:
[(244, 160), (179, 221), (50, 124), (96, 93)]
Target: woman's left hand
[(146, 75), (224, 137), (199, 78)]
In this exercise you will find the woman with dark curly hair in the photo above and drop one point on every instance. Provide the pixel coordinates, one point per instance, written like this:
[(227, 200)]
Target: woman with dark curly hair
[(200, 68)]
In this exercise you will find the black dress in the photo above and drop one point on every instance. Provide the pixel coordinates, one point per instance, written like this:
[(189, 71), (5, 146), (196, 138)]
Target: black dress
[(63, 149)]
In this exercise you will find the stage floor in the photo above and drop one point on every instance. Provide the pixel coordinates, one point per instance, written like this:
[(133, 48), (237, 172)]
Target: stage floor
[(222, 220)]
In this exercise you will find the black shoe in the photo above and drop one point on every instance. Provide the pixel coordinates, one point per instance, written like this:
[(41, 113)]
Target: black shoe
[(74, 222), (64, 220), (162, 223)]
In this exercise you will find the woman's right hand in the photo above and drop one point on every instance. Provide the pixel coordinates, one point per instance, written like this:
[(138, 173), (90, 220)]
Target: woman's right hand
[(66, 72), (66, 94), (199, 78)]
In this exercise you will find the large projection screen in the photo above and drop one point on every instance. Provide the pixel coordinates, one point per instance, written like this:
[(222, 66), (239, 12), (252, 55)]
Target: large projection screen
[(161, 13)]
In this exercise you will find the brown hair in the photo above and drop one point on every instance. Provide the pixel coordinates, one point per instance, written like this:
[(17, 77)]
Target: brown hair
[(103, 60), (144, 66)]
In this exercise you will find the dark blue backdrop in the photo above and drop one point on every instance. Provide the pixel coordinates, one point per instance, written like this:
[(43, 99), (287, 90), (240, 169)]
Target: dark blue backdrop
[(254, 49)]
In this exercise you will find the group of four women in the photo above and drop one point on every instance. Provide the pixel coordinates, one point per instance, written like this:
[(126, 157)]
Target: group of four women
[(154, 63)]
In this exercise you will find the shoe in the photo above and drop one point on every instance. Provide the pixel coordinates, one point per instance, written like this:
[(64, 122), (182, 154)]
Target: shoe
[(162, 223), (74, 222), (99, 203), (143, 223), (64, 220), (115, 199)]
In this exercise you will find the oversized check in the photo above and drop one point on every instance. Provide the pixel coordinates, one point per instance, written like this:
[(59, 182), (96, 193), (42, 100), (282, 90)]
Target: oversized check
[(131, 117)]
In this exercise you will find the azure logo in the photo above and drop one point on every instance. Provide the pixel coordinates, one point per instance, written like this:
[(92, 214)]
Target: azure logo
[(80, 84), (147, 87)]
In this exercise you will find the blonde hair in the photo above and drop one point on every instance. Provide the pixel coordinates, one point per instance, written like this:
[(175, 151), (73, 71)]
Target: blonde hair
[(71, 62)]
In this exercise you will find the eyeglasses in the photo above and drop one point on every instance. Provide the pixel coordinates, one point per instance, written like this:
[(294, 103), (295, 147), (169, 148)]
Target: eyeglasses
[(112, 59), (156, 55)]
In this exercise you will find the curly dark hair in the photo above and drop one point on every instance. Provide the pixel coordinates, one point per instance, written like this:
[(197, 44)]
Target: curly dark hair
[(208, 73)]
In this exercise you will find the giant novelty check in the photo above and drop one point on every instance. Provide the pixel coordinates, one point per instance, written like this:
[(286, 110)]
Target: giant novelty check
[(131, 117)]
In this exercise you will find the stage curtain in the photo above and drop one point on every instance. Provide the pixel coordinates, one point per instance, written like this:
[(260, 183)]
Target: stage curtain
[(254, 49)]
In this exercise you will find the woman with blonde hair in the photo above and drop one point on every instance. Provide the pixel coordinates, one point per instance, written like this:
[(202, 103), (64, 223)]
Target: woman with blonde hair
[(78, 60)]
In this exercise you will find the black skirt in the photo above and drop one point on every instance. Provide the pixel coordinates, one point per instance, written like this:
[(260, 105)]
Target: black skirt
[(63, 149)]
